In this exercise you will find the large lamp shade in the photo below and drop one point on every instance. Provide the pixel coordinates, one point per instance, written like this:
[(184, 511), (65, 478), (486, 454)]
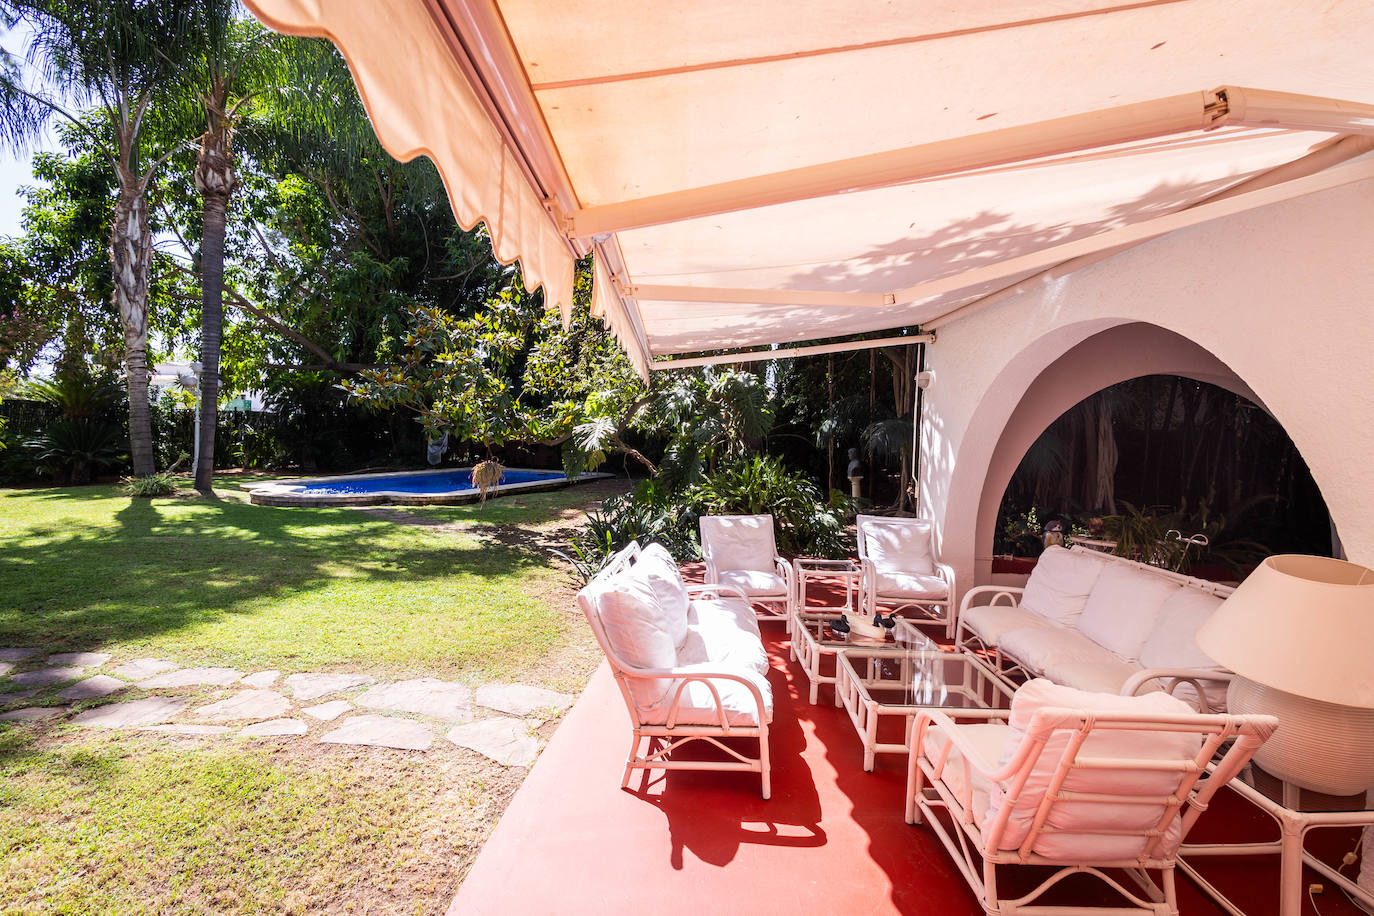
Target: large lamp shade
[(1299, 632)]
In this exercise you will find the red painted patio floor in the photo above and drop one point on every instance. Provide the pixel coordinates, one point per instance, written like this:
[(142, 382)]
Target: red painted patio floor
[(831, 840)]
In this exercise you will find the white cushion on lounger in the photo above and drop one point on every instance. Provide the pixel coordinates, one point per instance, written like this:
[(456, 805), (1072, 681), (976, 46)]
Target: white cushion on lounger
[(698, 707), (991, 621), (638, 630), (1092, 847), (1124, 607), (1103, 673), (911, 585), (1173, 644), (988, 738), (898, 545), (658, 565), (755, 583), (739, 541), (1060, 583), (1039, 647), (724, 630)]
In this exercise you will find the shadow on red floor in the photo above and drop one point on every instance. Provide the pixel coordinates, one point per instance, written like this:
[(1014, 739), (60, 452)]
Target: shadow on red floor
[(831, 840)]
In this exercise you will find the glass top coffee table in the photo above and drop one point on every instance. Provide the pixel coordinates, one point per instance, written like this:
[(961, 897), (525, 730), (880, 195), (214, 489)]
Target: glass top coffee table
[(812, 642), (884, 688)]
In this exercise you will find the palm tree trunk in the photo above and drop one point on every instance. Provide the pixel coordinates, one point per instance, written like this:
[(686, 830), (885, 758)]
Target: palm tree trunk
[(215, 180), (131, 253)]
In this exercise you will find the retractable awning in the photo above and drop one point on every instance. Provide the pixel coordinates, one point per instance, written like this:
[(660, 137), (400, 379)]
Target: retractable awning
[(759, 173)]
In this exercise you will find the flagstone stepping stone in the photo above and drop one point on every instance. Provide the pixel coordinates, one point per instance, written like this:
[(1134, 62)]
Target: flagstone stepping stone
[(520, 700), (17, 695), (143, 668), (194, 677), (30, 713), (98, 686), (313, 686), (381, 731), (426, 696), (16, 655), (249, 704), (262, 679), (45, 676), (147, 711), (328, 712), (507, 741), (6, 668), (275, 728), (188, 730), (80, 659)]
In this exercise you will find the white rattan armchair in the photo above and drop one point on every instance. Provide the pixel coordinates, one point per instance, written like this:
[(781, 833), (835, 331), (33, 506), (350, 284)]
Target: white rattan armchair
[(741, 552), (1072, 796), (901, 570), (703, 702)]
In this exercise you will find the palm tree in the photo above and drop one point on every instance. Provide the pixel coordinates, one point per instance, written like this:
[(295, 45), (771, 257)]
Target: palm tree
[(114, 55), (239, 74)]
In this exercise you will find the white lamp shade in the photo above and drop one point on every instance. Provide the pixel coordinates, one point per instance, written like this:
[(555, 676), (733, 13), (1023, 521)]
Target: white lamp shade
[(1300, 624)]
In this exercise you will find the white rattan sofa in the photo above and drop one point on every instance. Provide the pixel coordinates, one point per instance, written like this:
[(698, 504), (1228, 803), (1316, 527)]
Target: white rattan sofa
[(1099, 622), (1078, 781), (688, 659), (901, 571)]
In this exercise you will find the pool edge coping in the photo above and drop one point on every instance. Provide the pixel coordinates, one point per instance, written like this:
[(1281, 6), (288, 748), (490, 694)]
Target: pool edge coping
[(277, 492)]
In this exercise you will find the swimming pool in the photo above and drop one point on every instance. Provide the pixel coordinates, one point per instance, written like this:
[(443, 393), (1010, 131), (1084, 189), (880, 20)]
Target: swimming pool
[(405, 487)]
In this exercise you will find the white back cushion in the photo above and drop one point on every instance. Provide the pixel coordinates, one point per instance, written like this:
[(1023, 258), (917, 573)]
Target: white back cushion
[(1123, 608), (1173, 642), (739, 541), (1088, 816), (898, 545), (1060, 583), (665, 579), (637, 630)]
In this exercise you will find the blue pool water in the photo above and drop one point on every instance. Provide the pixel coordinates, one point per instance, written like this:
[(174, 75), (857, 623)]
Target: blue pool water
[(426, 482)]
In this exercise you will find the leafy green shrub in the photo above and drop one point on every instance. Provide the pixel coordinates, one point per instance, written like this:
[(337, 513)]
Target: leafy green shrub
[(808, 523), (73, 449), (153, 485)]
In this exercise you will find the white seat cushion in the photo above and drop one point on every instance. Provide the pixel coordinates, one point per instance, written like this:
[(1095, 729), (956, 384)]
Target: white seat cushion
[(1060, 583), (991, 621), (755, 583), (1037, 648), (1104, 673), (898, 545), (739, 541), (658, 565), (911, 585), (697, 706), (1122, 609), (1088, 847), (1173, 643), (988, 738), (717, 636), (735, 611), (638, 630)]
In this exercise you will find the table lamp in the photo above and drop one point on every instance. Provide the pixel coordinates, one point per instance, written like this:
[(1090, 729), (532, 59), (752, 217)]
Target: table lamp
[(1299, 633)]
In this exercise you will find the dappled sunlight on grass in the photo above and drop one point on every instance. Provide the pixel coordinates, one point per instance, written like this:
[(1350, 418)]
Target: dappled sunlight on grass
[(114, 825), (87, 568)]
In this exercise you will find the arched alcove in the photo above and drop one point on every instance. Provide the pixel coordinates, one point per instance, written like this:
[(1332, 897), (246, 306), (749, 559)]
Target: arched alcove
[(1048, 377)]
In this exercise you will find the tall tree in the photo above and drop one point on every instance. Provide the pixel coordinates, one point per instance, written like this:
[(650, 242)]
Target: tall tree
[(235, 73), (115, 55)]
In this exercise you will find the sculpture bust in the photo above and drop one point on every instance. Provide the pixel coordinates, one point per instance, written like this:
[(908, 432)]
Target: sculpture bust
[(856, 467)]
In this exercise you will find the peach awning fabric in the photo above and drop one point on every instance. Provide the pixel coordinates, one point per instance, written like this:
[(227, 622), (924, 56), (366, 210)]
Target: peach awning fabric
[(637, 107)]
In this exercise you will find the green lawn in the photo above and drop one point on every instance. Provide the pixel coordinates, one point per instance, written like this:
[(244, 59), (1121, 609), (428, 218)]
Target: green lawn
[(146, 822), (225, 582)]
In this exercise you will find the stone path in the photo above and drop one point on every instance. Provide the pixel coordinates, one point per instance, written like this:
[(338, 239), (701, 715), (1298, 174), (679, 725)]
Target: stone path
[(495, 720)]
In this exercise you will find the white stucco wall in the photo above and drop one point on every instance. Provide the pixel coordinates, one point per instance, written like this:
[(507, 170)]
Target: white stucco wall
[(1283, 296)]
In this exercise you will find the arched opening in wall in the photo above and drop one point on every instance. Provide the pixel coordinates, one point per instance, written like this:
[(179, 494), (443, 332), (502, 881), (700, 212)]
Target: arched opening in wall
[(1143, 465)]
